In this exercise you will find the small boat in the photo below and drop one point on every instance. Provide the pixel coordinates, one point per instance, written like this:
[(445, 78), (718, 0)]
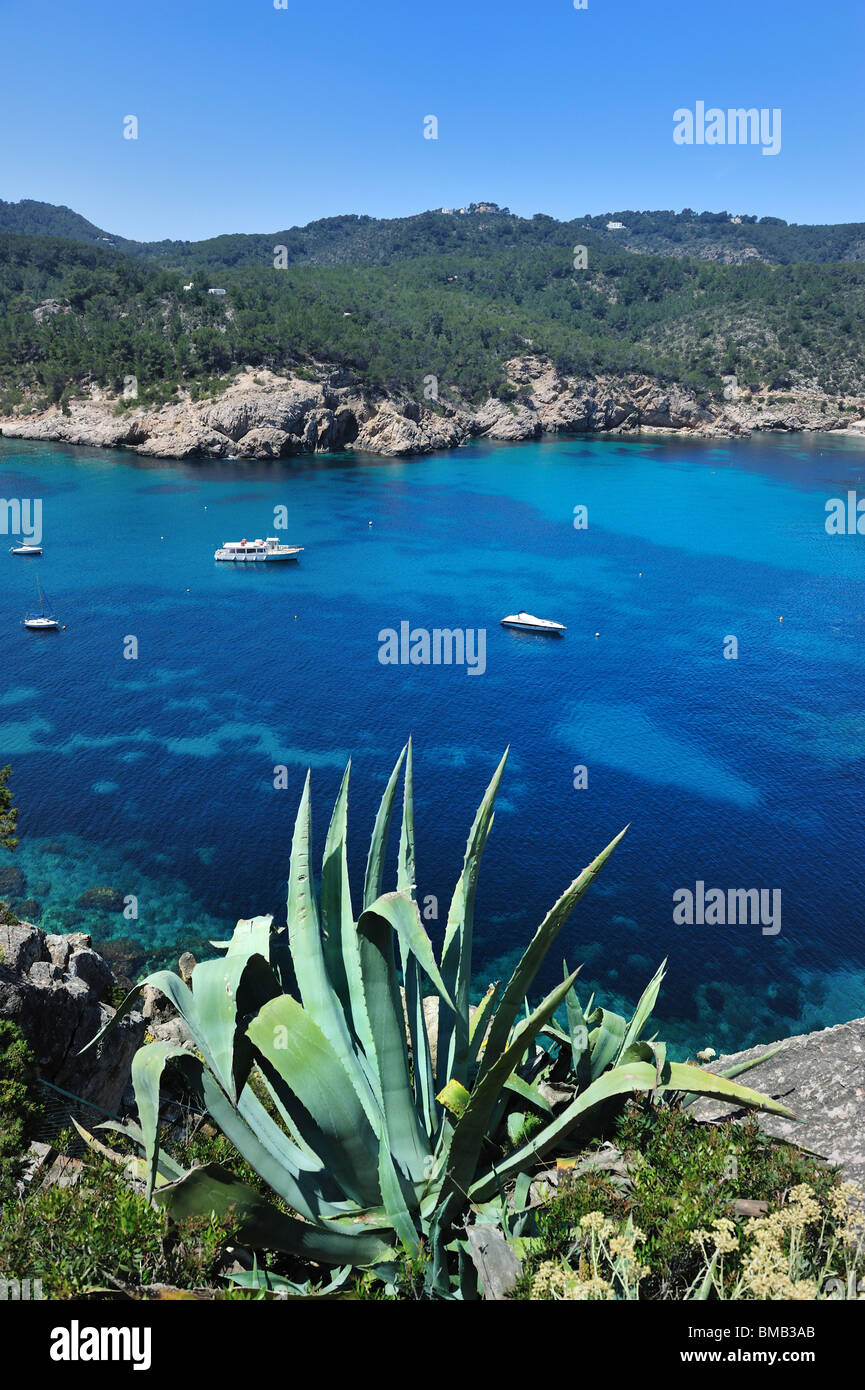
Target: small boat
[(269, 549), (527, 622), (43, 620), (25, 549)]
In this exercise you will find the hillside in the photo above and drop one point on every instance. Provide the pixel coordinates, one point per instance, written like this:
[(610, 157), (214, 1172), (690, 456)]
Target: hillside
[(437, 310), (360, 240)]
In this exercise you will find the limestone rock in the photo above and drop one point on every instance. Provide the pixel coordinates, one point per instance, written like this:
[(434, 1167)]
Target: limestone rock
[(820, 1076), (500, 420), (52, 989), (185, 967), (265, 441), (407, 430), (495, 1260), (260, 414), (89, 966)]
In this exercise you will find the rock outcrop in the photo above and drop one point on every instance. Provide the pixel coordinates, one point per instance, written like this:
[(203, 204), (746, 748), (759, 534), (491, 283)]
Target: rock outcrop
[(821, 1077), (54, 988), (265, 416)]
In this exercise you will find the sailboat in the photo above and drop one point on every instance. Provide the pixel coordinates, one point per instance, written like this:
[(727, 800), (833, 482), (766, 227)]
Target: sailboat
[(43, 620)]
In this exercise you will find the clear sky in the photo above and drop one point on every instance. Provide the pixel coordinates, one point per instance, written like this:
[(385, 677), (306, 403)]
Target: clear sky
[(253, 118)]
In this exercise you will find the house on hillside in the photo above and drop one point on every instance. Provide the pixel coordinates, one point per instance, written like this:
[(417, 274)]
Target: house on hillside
[(616, 227), (216, 291)]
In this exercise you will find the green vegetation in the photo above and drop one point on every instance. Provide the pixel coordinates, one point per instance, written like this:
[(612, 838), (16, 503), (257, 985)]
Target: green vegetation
[(359, 240), (81, 1239), (19, 1107), (392, 301), (8, 813), (376, 1142), (673, 1229)]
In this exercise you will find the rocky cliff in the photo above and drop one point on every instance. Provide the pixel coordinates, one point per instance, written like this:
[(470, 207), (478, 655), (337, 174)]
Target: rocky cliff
[(262, 415)]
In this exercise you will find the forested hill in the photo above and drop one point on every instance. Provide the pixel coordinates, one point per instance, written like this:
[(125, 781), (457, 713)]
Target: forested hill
[(357, 240), (454, 296)]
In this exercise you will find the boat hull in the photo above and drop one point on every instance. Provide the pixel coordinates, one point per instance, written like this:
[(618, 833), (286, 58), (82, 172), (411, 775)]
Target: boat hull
[(531, 627), (41, 624), (241, 559)]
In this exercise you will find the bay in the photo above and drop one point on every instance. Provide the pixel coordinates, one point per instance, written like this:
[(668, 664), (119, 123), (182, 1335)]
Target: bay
[(155, 776)]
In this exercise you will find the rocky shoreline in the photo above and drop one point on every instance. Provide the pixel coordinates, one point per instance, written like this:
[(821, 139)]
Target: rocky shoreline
[(261, 415)]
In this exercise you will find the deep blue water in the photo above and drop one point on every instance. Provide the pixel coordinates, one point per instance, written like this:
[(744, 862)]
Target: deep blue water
[(155, 775)]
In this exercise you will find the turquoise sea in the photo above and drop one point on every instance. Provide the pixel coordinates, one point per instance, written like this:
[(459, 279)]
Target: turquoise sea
[(155, 776)]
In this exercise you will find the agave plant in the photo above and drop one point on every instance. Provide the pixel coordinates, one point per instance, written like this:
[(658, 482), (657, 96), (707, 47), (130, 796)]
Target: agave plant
[(372, 1145)]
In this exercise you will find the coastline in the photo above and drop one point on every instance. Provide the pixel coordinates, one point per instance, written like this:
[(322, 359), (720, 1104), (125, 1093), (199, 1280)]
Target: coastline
[(261, 415)]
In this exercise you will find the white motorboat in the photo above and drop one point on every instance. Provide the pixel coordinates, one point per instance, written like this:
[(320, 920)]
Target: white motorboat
[(527, 622), (258, 550), (42, 620), (25, 549)]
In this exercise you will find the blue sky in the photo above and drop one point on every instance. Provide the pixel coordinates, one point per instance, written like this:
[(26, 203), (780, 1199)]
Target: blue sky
[(255, 119)]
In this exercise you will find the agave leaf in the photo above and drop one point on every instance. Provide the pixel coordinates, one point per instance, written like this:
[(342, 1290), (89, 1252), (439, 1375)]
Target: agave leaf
[(636, 1076), (521, 981), (424, 1080), (479, 1024), (643, 1011), (606, 1040), (289, 1289), (166, 1165), (409, 1143), (402, 914), (340, 945), (454, 1097), (298, 1188), (581, 1057), (406, 865), (148, 1065), (318, 994), (472, 1127), (338, 1130), (453, 1035), (171, 986), (693, 1080), (398, 1198), (739, 1068), (133, 1167), (264, 1227), (299, 1156), (218, 988), (335, 893), (251, 937), (378, 843), (528, 1092), (751, 1062), (516, 1122)]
